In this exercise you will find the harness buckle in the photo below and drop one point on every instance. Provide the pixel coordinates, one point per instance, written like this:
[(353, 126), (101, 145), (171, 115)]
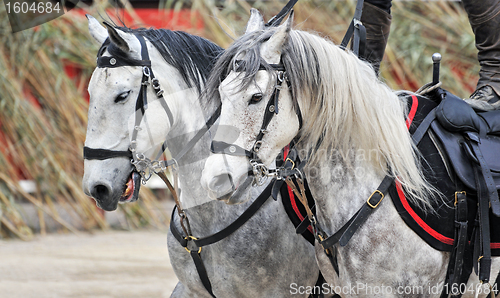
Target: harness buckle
[(257, 145), (380, 200), (357, 22), (456, 196)]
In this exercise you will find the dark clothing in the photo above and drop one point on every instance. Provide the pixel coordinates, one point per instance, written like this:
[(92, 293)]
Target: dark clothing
[(385, 5)]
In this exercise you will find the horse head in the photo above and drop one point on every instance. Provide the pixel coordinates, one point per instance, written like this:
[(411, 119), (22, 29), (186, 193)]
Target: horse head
[(254, 125), (121, 107)]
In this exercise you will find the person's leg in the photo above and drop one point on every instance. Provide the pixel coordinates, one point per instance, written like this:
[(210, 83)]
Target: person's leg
[(484, 17), (377, 19)]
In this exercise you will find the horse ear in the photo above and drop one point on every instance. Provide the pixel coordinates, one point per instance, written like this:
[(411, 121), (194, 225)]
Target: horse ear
[(97, 31), (119, 38), (256, 21), (271, 49)]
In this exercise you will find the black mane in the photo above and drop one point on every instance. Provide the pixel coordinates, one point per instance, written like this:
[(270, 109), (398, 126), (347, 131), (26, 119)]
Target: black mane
[(191, 55)]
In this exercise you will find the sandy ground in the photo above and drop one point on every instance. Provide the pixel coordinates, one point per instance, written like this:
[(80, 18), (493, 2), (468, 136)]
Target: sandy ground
[(105, 264)]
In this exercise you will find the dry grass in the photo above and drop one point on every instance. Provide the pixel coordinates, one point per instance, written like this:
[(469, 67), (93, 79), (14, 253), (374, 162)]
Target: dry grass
[(44, 141)]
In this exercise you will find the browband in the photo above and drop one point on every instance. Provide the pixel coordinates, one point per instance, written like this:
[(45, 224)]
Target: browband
[(112, 62)]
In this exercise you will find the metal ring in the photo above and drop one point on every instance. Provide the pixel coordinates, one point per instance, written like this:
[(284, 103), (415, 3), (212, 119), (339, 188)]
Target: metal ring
[(281, 76), (156, 83), (146, 71), (191, 238)]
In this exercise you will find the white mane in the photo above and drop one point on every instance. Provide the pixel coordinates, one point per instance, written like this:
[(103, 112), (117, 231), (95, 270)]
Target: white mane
[(348, 109)]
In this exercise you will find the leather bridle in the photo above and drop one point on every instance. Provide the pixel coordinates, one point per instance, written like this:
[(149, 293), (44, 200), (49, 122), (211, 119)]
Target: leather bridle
[(148, 77), (259, 171)]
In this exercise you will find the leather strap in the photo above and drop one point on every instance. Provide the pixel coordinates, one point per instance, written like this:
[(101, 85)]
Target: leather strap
[(423, 127), (202, 271), (102, 154), (460, 240), (277, 19), (483, 237), (347, 231), (229, 149), (456, 262), (486, 173), (113, 62), (359, 31), (234, 226)]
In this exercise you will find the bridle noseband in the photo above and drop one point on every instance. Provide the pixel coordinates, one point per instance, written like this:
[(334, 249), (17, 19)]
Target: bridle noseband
[(259, 171)]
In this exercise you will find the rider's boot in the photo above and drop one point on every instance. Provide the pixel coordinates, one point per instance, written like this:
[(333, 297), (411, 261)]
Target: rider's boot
[(377, 22), (484, 17)]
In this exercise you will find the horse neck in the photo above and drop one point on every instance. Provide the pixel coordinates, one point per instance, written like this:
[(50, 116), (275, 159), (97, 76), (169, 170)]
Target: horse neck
[(188, 118), (340, 186)]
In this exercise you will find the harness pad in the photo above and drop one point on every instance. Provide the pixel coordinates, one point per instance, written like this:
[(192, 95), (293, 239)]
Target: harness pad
[(438, 228)]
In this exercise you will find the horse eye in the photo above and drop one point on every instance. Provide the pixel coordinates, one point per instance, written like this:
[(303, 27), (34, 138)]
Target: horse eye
[(122, 97), (256, 98)]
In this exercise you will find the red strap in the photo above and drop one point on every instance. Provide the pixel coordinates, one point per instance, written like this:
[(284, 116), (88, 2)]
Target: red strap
[(413, 111), (291, 194), (419, 221)]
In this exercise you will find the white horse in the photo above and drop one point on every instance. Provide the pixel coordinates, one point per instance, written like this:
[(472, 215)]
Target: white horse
[(355, 127), (263, 258)]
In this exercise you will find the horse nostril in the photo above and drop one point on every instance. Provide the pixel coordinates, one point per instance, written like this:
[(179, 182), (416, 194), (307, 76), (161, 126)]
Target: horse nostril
[(100, 191), (223, 182)]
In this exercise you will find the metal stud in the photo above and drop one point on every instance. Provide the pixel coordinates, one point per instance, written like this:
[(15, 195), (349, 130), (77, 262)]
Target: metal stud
[(112, 61), (271, 108), (232, 149)]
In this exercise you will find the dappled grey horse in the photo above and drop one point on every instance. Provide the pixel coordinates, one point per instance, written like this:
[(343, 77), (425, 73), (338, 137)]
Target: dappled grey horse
[(264, 257), (351, 128)]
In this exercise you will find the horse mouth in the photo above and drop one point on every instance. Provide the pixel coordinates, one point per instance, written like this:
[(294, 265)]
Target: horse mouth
[(131, 192)]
